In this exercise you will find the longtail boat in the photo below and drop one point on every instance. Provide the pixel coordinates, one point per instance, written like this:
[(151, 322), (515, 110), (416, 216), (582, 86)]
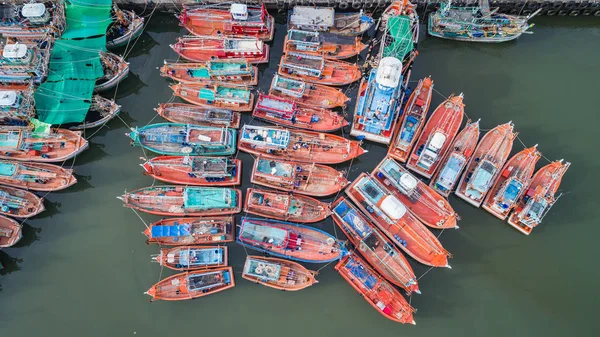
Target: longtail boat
[(126, 27), (460, 152), (285, 112), (421, 200), (290, 241), (25, 19), (197, 171), (381, 295), (100, 112), (328, 45), (377, 249), (192, 284), (393, 219), (230, 72), (184, 139), (317, 69), (437, 136), (197, 115), (305, 178), (50, 145), (19, 203), (285, 206), (485, 164), (191, 231), (185, 258), (23, 63), (278, 273), (307, 94), (35, 176), (115, 70), (413, 119), (10, 232), (511, 183), (207, 48), (325, 19), (233, 19), (16, 103), (231, 97), (177, 200), (539, 197), (302, 146)]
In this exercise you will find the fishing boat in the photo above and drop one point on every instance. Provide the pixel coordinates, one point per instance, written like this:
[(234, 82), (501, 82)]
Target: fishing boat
[(197, 171), (19, 203), (378, 250), (197, 115), (184, 258), (392, 217), (10, 232), (220, 96), (330, 46), (213, 48), (278, 273), (290, 241), (191, 231), (285, 206), (511, 183), (183, 139), (227, 19), (413, 119), (302, 146), (477, 23), (46, 145), (115, 70), (192, 284), (30, 19), (325, 19), (174, 200), (35, 176), (16, 103), (317, 69), (485, 164), (400, 25), (452, 165), (437, 136), (286, 112), (539, 197), (126, 27), (22, 63), (101, 111), (422, 201), (381, 295), (228, 72), (305, 178), (378, 104), (307, 94)]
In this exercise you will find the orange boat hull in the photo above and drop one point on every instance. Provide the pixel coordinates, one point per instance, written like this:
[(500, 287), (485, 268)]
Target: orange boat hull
[(176, 287)]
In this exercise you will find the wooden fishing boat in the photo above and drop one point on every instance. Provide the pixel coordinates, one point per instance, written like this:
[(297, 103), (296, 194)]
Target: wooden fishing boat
[(302, 146), (451, 167), (16, 103), (100, 112), (539, 197), (307, 94), (174, 200), (35, 176), (290, 241), (126, 27), (197, 171), (192, 284), (115, 70), (286, 112), (278, 273), (28, 19), (400, 25), (305, 178), (485, 164), (317, 69), (511, 183), (23, 63), (184, 139), (19, 203), (220, 96), (191, 231), (325, 19), (212, 48), (186, 258), (285, 206), (53, 145), (10, 232), (413, 119), (229, 72), (233, 19), (437, 136), (381, 295), (330, 46), (197, 115), (421, 200), (378, 250), (393, 219)]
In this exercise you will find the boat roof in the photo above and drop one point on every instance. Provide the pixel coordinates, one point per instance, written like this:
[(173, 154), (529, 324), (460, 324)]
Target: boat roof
[(240, 9), (197, 256), (438, 140), (207, 198), (33, 10), (351, 217), (248, 45), (7, 169), (17, 50), (266, 136), (261, 233), (393, 207), (8, 97), (262, 269), (314, 16), (270, 103), (389, 72)]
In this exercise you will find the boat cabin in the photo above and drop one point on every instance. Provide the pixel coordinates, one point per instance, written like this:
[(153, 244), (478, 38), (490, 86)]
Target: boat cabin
[(450, 172), (388, 205), (482, 178), (202, 198), (264, 270), (389, 73), (407, 133), (353, 219), (288, 86), (207, 280), (35, 13), (239, 12), (312, 18), (265, 136), (282, 172), (8, 99), (432, 151), (405, 182), (17, 53), (269, 235), (509, 194), (303, 64)]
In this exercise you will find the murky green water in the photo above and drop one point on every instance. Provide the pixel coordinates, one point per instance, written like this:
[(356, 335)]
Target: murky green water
[(83, 266)]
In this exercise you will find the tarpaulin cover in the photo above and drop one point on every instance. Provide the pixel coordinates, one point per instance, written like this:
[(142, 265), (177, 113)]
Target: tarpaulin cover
[(399, 29)]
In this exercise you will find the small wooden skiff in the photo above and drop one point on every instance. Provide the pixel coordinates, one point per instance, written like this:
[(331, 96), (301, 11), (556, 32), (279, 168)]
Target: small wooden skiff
[(192, 284), (212, 48), (35, 176), (191, 231), (317, 69), (10, 232), (186, 258), (285, 206), (328, 45), (19, 203), (101, 111), (126, 27), (231, 97), (197, 115), (56, 145), (197, 171), (229, 72), (307, 94), (115, 70), (278, 273)]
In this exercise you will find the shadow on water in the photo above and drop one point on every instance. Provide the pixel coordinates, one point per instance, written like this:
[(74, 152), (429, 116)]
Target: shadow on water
[(83, 183), (94, 153), (30, 235), (52, 208), (131, 85), (10, 264)]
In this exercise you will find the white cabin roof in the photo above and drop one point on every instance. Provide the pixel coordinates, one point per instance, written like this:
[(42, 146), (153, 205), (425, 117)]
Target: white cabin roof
[(14, 50), (250, 46), (408, 182), (8, 98), (437, 141), (239, 9), (393, 207), (389, 72), (305, 15), (34, 10)]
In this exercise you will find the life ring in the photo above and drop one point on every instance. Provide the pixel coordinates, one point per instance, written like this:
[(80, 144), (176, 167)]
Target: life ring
[(563, 12), (356, 5), (597, 13), (574, 12), (330, 241), (343, 5), (551, 12)]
